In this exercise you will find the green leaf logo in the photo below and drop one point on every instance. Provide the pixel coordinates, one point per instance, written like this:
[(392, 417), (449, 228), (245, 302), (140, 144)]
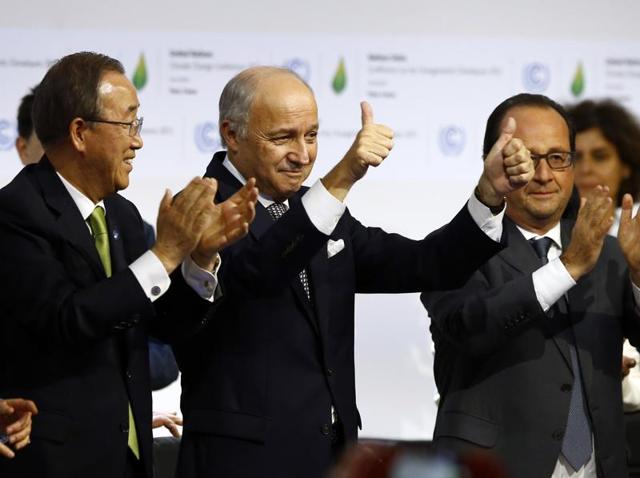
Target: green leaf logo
[(339, 82), (139, 79), (577, 85)]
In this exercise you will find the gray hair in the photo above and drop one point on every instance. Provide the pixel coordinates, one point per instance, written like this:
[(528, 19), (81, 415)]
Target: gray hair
[(238, 94)]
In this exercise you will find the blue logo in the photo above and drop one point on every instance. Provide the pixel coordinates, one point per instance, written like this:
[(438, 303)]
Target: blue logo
[(536, 77), (207, 137), (301, 67), (8, 135), (452, 140)]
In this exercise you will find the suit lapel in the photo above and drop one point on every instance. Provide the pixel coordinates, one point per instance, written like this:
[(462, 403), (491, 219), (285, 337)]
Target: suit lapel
[(227, 186), (72, 226), (521, 256), (116, 246)]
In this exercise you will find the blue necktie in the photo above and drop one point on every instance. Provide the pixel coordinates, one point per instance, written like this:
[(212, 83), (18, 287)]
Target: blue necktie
[(576, 444)]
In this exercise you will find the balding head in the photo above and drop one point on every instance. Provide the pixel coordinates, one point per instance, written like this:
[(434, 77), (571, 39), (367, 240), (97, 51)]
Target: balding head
[(238, 95)]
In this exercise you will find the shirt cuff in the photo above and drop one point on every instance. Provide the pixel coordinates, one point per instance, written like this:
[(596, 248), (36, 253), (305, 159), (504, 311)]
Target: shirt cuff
[(322, 207), (489, 223), (202, 281), (151, 275), (551, 282)]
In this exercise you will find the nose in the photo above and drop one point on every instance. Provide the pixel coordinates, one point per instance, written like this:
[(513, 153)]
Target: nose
[(543, 173), (136, 141), (300, 152)]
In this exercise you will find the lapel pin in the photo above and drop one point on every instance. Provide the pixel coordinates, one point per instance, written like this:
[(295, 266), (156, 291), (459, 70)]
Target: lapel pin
[(115, 234)]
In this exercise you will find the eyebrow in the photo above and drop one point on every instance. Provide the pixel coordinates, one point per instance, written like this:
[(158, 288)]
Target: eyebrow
[(290, 130)]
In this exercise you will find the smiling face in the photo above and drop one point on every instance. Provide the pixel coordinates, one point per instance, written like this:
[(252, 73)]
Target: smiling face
[(109, 149), (598, 163), (280, 145), (539, 205)]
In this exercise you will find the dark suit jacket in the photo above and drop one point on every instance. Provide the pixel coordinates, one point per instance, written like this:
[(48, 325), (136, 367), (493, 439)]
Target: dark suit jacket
[(258, 384), (503, 369), (72, 340)]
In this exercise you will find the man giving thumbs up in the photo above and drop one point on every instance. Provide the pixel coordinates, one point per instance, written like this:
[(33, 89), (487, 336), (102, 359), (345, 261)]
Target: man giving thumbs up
[(269, 389)]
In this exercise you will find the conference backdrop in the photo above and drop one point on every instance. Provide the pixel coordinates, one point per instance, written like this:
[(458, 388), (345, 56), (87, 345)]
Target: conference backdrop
[(436, 93)]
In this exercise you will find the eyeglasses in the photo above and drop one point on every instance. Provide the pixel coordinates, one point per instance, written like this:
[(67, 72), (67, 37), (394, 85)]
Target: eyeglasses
[(556, 161), (135, 126)]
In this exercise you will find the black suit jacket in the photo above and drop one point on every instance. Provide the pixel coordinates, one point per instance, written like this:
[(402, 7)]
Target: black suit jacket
[(258, 384), (72, 340), (503, 368)]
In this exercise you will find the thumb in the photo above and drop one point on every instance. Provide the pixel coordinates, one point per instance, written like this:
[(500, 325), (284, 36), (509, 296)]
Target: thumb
[(506, 135), (165, 202), (367, 113)]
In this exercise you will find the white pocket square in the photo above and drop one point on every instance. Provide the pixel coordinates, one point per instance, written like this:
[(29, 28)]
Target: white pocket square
[(333, 247)]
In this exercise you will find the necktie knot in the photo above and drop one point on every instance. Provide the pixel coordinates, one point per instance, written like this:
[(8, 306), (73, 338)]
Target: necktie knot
[(276, 210), (98, 224), (542, 246)]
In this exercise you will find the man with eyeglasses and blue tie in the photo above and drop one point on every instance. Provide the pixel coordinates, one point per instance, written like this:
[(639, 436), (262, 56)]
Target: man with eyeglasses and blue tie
[(527, 359), (81, 291)]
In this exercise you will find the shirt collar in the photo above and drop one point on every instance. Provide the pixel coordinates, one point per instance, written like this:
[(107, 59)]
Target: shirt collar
[(264, 200), (553, 234), (83, 203)]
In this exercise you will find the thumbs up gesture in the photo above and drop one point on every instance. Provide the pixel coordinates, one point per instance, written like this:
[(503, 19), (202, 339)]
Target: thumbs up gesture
[(372, 145), (507, 167)]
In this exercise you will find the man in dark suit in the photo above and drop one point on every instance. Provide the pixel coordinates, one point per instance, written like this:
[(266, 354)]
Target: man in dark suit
[(268, 388), (528, 351), (81, 290)]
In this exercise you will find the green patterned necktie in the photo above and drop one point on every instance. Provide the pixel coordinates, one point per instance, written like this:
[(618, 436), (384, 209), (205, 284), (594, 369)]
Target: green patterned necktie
[(98, 224)]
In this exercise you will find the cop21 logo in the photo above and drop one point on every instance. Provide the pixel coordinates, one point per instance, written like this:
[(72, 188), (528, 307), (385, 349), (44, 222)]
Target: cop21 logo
[(7, 134), (452, 140), (536, 77)]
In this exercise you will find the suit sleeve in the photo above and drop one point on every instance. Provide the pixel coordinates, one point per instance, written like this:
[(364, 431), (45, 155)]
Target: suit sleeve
[(478, 319), (445, 259)]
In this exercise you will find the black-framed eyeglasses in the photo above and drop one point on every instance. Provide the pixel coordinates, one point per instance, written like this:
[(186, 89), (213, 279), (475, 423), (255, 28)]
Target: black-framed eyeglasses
[(557, 160), (135, 126)]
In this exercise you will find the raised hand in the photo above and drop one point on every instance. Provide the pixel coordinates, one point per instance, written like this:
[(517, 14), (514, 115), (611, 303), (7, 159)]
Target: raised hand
[(182, 221), (507, 167), (15, 423), (629, 238), (594, 220), (372, 145), (227, 222)]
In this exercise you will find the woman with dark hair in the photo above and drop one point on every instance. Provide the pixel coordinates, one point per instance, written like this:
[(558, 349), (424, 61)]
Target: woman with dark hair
[(607, 150), (608, 153)]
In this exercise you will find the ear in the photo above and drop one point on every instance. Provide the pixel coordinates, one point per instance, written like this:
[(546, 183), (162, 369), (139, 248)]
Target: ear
[(229, 135), (78, 129), (21, 146)]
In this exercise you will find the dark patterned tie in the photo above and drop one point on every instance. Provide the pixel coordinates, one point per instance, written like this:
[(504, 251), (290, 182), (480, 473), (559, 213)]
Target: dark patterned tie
[(277, 210), (576, 445)]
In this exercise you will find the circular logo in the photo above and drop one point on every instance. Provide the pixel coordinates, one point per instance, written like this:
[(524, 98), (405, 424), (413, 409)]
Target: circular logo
[(8, 135), (452, 140), (536, 77), (207, 137), (300, 67)]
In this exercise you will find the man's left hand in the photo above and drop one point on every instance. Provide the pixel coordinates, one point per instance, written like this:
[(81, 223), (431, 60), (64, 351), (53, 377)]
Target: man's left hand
[(629, 238), (15, 423), (170, 421), (228, 222)]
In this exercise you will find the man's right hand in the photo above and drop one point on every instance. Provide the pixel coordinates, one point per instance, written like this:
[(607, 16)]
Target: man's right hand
[(15, 423), (594, 220), (182, 221), (372, 145), (507, 167)]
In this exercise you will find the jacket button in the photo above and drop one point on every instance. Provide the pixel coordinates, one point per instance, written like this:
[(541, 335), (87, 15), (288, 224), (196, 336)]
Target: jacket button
[(329, 372), (124, 427), (566, 387), (129, 375), (326, 429), (558, 435)]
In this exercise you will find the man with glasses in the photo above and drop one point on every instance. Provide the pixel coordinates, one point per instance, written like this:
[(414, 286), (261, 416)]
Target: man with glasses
[(81, 290), (527, 358)]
